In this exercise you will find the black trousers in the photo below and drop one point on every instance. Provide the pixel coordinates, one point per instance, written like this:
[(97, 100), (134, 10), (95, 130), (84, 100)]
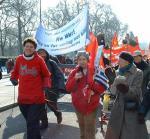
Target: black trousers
[(52, 97), (51, 103), (146, 102), (31, 114)]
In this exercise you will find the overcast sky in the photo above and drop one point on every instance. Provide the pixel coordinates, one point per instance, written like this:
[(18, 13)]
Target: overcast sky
[(135, 13)]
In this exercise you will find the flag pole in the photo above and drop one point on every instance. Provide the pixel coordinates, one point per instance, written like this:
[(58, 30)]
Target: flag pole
[(40, 13), (110, 54)]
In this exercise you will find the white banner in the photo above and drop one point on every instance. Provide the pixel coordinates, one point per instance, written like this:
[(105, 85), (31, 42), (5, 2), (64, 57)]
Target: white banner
[(68, 38)]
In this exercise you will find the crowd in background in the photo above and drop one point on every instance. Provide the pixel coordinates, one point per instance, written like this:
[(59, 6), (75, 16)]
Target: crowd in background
[(129, 81)]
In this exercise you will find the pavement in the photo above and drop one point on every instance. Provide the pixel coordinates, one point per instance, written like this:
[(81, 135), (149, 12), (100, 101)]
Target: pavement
[(8, 93), (13, 125)]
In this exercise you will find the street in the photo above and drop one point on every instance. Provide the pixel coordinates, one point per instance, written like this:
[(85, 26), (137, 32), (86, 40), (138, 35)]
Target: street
[(7, 92), (14, 127)]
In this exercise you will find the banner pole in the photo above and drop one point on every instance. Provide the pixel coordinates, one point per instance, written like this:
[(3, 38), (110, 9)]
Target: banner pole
[(110, 54), (40, 13)]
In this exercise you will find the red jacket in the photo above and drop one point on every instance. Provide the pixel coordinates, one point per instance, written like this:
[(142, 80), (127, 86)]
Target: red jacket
[(80, 94), (33, 75)]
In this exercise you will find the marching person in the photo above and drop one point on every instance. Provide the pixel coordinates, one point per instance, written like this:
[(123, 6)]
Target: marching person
[(145, 105), (145, 67), (58, 86), (33, 77), (124, 123), (85, 96)]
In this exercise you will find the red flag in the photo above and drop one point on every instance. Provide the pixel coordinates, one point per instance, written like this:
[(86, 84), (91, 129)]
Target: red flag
[(114, 41), (92, 49)]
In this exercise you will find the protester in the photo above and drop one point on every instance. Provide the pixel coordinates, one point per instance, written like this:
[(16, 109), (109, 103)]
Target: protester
[(145, 67), (123, 122), (85, 95), (34, 79), (58, 86), (145, 105), (9, 65)]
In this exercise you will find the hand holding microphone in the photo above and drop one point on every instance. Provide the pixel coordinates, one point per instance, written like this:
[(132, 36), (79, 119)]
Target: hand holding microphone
[(79, 74)]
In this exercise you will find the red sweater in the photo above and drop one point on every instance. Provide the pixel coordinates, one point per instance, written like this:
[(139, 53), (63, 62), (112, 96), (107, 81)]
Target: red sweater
[(78, 91), (33, 75)]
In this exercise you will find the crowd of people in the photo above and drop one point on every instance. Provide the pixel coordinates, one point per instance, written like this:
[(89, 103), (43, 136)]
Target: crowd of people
[(41, 81)]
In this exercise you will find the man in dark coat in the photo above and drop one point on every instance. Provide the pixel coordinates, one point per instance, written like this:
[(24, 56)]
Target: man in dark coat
[(58, 85), (144, 66), (145, 105)]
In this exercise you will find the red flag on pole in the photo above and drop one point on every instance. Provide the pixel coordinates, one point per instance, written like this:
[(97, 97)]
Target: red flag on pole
[(114, 41), (92, 49)]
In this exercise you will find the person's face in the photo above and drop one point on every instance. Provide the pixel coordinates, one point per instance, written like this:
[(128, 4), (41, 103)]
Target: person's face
[(82, 61), (122, 63), (29, 48), (137, 59), (42, 53)]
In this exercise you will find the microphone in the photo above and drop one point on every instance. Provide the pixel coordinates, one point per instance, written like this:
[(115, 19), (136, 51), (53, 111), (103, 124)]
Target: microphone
[(80, 69)]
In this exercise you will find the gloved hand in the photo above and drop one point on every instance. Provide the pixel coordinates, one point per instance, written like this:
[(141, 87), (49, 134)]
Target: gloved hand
[(14, 82), (122, 88)]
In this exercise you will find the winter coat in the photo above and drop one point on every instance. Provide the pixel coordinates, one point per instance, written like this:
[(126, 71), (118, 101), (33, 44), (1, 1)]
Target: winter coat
[(57, 78), (33, 76), (145, 67), (145, 105), (123, 124), (80, 91)]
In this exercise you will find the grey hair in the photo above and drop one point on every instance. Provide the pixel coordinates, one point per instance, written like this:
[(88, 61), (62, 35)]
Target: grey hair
[(82, 53)]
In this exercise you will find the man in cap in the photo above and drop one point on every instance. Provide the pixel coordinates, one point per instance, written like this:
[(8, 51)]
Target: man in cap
[(142, 65)]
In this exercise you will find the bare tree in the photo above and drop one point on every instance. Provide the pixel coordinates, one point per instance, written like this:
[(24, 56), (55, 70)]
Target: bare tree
[(1, 2), (5, 24), (101, 18), (24, 13)]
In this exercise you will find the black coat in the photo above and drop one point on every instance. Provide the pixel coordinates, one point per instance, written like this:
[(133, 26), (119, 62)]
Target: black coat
[(57, 78), (146, 74)]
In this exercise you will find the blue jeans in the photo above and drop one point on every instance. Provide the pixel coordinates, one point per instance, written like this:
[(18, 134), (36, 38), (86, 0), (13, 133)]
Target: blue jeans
[(31, 114)]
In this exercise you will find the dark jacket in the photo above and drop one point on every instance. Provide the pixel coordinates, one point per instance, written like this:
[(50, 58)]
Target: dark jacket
[(146, 74), (57, 77), (145, 105)]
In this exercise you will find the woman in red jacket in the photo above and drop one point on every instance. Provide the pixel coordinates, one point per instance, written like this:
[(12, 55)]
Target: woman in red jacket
[(85, 96), (33, 76)]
